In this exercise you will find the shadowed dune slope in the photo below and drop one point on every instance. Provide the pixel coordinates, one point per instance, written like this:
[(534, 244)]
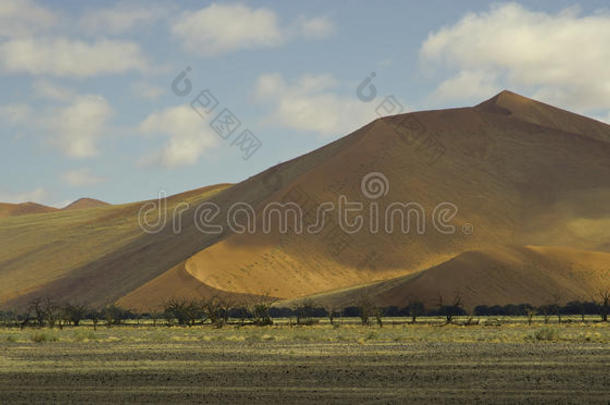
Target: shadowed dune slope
[(509, 275), (519, 173)]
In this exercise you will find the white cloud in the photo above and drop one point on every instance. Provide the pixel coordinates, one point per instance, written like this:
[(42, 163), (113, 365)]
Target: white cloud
[(467, 85), (309, 104), (52, 91), (562, 58), (147, 90), (24, 18), (37, 195), (218, 29), (15, 114), (122, 17), (81, 177), (66, 57), (189, 136), (317, 27), (77, 126), (222, 28), (74, 128)]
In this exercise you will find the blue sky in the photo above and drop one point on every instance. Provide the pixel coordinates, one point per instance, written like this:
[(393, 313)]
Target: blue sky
[(87, 107)]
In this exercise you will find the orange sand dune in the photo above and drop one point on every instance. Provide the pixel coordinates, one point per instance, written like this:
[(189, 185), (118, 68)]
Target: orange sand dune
[(519, 173)]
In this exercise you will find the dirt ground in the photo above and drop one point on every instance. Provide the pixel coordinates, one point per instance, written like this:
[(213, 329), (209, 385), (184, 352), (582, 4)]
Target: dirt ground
[(362, 365)]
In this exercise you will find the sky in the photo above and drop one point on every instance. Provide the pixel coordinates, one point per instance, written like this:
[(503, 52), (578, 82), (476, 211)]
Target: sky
[(121, 101)]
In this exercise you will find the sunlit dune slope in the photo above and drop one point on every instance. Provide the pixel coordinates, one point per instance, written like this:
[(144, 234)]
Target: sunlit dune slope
[(537, 275)]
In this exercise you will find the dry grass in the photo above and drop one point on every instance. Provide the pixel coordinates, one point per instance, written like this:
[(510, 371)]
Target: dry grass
[(316, 364), (347, 332)]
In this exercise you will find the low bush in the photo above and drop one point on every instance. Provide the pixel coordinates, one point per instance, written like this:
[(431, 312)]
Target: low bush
[(43, 337), (84, 335), (547, 334), (308, 322)]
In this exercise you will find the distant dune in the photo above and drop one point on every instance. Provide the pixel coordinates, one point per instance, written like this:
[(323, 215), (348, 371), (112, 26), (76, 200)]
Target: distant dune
[(531, 184), (9, 210), (85, 203)]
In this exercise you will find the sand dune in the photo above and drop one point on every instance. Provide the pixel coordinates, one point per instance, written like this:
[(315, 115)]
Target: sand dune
[(53, 254), (520, 172), (9, 210), (85, 203), (537, 275)]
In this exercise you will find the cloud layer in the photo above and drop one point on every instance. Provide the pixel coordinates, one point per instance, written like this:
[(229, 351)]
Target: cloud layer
[(189, 136), (74, 125), (81, 177), (37, 195), (122, 17), (79, 125), (68, 57), (562, 57), (218, 29), (310, 103), (24, 17)]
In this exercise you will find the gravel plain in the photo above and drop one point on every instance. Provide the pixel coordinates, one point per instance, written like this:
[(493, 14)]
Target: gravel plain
[(180, 365)]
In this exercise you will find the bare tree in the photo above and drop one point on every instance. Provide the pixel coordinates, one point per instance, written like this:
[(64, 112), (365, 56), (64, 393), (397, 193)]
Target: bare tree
[(26, 317), (331, 311), (451, 310), (217, 310), (556, 306), (378, 313), (36, 308), (365, 306), (74, 313), (95, 316), (45, 309), (155, 316), (415, 308), (183, 311), (226, 305), (583, 310), (259, 309), (546, 311), (530, 312), (604, 298), (305, 312)]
